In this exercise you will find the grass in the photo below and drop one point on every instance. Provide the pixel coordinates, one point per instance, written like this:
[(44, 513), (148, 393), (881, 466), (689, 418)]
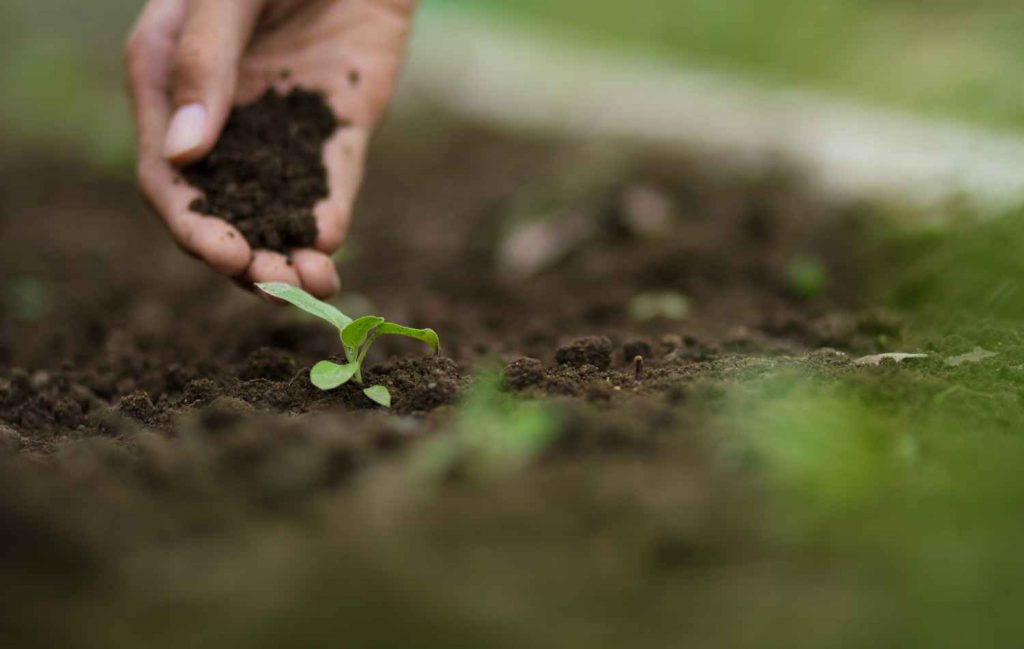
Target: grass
[(909, 475), (959, 59), (909, 479)]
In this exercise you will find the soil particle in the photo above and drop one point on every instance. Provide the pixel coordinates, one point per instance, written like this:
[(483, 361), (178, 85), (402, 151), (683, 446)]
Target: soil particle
[(266, 172), (418, 385), (828, 357), (67, 412), (200, 392), (43, 401), (139, 406), (592, 350), (569, 381), (523, 373), (268, 363), (264, 393), (224, 413), (670, 343)]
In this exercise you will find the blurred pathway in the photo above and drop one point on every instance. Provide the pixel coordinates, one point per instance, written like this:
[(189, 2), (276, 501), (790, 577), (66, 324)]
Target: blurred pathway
[(494, 72)]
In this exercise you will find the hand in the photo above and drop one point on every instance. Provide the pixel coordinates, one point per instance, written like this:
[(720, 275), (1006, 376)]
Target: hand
[(189, 61)]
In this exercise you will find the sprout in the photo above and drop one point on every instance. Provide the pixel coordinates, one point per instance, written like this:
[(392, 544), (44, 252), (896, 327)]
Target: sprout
[(357, 336)]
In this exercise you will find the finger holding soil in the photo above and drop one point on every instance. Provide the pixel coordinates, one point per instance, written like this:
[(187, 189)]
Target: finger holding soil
[(268, 266), (266, 172)]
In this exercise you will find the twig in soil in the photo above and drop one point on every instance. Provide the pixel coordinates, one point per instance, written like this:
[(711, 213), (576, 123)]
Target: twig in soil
[(297, 375), (638, 367)]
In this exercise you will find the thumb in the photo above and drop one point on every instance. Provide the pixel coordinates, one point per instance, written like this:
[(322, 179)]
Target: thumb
[(213, 39)]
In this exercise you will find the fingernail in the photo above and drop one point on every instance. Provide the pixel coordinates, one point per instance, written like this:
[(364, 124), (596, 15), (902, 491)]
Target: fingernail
[(186, 130)]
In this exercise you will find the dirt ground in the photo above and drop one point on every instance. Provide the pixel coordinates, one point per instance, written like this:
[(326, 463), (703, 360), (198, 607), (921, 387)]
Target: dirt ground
[(169, 476)]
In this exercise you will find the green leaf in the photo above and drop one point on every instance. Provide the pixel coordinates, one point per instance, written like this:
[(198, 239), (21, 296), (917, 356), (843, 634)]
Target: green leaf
[(328, 376), (303, 300), (355, 333), (428, 336), (379, 394)]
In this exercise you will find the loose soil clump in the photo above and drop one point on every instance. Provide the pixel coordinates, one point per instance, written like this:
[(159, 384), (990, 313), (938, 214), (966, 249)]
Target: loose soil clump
[(593, 350), (266, 172)]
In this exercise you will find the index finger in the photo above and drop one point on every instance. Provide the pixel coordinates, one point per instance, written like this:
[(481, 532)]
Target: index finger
[(149, 57)]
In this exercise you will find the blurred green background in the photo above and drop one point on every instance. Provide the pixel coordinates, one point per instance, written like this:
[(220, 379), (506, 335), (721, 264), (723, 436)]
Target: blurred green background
[(952, 58), (959, 59)]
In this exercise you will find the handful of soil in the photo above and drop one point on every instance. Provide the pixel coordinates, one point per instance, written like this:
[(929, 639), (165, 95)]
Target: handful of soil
[(266, 172)]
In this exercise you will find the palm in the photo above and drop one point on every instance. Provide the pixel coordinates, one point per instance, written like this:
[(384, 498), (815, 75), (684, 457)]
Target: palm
[(351, 51)]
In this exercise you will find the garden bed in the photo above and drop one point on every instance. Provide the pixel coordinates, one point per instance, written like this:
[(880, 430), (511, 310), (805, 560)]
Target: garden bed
[(167, 471)]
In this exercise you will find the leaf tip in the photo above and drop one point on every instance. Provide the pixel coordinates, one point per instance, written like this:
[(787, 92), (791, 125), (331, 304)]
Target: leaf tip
[(379, 395)]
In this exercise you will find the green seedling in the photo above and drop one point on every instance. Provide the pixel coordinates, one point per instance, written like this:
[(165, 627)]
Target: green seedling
[(357, 336)]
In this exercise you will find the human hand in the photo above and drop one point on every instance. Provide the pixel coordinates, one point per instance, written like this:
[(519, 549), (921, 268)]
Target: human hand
[(189, 61)]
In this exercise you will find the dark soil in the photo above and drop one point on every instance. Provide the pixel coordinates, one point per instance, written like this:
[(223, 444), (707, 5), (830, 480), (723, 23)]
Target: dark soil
[(155, 422), (595, 351), (266, 172)]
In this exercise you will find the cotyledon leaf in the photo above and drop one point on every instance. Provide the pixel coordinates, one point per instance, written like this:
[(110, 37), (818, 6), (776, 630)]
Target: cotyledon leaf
[(328, 376), (353, 335), (428, 336), (379, 394), (303, 300)]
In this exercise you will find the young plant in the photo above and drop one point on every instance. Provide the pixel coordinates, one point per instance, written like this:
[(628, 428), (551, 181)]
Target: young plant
[(357, 336)]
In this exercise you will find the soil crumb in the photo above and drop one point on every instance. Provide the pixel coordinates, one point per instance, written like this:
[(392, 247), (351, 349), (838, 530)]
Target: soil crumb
[(592, 350), (266, 173)]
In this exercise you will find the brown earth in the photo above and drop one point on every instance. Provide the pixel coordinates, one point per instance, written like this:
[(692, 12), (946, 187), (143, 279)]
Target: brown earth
[(157, 420), (266, 172)]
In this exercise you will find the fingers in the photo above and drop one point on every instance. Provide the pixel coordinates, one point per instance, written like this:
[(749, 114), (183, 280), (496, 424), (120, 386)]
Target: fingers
[(308, 269), (270, 266), (217, 243), (148, 56), (213, 38), (317, 273), (149, 52), (344, 158), (213, 240)]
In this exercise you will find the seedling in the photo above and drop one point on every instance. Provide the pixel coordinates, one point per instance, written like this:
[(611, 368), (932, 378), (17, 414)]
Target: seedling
[(357, 336)]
